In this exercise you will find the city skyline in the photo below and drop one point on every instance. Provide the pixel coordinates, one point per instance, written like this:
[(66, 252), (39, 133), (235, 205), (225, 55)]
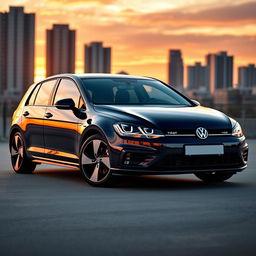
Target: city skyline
[(147, 29), (60, 58)]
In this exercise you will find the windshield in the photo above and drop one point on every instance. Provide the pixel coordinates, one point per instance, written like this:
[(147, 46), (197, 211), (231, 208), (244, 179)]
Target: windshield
[(129, 91)]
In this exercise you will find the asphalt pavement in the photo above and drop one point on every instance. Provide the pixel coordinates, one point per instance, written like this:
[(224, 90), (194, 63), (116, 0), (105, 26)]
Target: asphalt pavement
[(54, 212)]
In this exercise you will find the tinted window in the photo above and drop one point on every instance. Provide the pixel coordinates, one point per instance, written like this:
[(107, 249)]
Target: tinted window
[(154, 94), (67, 89), (44, 93), (33, 95), (129, 91), (121, 93)]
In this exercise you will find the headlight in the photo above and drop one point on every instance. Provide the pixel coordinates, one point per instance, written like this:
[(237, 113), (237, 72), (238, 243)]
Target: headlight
[(237, 130), (136, 131)]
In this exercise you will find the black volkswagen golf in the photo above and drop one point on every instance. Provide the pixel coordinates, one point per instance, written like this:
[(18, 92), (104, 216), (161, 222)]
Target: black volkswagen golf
[(117, 124)]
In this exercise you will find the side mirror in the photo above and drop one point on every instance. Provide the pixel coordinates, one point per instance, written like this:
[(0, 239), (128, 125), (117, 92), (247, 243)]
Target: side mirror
[(196, 102), (67, 103)]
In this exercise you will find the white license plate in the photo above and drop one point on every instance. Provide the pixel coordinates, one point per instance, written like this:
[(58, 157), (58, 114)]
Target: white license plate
[(204, 150)]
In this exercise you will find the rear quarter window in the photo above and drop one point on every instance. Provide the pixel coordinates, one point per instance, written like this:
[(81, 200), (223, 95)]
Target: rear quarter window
[(44, 93), (32, 96)]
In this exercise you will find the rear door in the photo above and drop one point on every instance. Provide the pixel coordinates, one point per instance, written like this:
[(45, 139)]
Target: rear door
[(33, 114), (60, 125)]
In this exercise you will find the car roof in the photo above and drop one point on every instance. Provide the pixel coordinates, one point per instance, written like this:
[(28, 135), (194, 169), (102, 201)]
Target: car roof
[(98, 75)]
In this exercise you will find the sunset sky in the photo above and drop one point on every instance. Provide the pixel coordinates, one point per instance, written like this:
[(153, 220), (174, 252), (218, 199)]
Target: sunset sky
[(140, 32)]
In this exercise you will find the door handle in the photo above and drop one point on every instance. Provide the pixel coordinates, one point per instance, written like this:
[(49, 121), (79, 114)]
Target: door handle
[(26, 113), (48, 115)]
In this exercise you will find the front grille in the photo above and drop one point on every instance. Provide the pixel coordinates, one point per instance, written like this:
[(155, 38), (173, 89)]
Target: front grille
[(192, 132), (177, 162)]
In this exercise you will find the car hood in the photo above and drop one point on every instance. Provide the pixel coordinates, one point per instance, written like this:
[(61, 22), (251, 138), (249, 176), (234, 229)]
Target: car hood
[(168, 118)]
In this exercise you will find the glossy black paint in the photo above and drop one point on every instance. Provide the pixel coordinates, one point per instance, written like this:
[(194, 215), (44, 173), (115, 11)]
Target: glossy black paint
[(55, 134)]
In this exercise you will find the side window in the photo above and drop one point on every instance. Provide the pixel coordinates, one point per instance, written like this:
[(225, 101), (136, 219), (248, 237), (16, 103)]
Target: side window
[(44, 94), (32, 97), (67, 89)]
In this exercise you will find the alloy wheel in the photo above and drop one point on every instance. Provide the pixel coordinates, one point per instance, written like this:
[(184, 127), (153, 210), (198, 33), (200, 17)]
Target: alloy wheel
[(95, 161), (17, 152)]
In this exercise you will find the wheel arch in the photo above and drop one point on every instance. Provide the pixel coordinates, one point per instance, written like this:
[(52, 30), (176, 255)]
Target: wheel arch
[(13, 130), (88, 132)]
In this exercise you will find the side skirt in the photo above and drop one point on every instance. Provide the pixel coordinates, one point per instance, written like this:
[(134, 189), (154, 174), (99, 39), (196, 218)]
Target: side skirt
[(45, 160)]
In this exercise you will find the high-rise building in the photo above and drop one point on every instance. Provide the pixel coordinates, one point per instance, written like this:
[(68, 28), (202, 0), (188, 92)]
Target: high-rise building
[(97, 59), (175, 68), (247, 76), (3, 52), (60, 50), (198, 77), (17, 40), (220, 71)]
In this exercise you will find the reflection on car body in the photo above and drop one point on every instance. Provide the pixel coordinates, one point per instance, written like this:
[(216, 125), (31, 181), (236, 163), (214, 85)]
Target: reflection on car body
[(117, 124)]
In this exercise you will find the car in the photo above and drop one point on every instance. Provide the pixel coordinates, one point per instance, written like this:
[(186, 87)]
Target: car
[(107, 125)]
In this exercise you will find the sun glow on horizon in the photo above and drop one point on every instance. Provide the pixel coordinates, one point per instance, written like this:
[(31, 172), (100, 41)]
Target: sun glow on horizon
[(141, 32)]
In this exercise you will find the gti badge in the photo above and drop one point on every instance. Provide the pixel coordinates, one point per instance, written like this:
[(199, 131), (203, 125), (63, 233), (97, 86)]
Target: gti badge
[(201, 133)]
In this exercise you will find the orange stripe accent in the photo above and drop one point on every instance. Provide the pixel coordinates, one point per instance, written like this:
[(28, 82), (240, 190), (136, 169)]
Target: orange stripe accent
[(28, 121), (36, 149), (50, 123), (52, 152), (54, 160), (58, 124), (46, 162)]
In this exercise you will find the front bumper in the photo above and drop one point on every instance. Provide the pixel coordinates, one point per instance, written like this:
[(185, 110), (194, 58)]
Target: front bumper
[(167, 156)]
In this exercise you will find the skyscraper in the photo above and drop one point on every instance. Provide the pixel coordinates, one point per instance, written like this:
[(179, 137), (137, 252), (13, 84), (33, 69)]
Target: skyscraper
[(175, 68), (247, 76), (17, 31), (198, 77), (3, 52), (60, 50), (220, 70), (97, 59)]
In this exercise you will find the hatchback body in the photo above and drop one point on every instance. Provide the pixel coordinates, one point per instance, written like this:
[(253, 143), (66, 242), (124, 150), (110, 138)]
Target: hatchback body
[(117, 124)]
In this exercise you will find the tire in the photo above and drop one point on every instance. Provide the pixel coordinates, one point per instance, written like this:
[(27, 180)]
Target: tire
[(95, 161), (20, 162), (213, 177)]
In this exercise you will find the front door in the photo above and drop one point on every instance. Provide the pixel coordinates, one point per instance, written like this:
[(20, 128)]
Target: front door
[(60, 125)]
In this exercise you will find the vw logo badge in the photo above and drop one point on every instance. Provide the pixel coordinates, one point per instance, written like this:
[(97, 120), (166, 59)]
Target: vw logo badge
[(201, 133)]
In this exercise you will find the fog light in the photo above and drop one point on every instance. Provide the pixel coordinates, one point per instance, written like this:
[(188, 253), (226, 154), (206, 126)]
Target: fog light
[(127, 158), (245, 156)]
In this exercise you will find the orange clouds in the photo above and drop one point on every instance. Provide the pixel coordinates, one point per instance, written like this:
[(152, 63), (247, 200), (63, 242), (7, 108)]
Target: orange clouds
[(141, 31), (74, 2), (236, 14)]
